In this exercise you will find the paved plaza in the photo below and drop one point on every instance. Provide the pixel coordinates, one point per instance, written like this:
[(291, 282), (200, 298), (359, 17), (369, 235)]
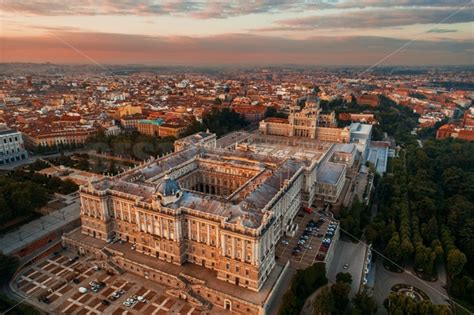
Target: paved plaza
[(53, 285)]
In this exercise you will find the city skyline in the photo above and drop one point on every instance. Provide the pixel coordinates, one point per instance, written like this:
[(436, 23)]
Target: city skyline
[(238, 33)]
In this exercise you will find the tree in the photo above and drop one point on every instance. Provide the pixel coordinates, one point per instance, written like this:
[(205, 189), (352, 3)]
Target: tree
[(83, 164), (402, 304), (344, 277), (8, 267), (194, 127), (68, 186), (273, 112), (340, 292), (455, 262), (303, 284), (364, 304), (430, 230), (38, 165), (324, 303), (393, 251)]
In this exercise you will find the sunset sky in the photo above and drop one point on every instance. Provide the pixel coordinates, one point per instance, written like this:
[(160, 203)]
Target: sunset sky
[(332, 32)]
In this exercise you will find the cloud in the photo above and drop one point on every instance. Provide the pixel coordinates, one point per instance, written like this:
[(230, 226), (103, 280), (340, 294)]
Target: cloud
[(96, 7), (375, 18), (200, 8), (195, 8), (228, 49), (361, 4), (441, 30)]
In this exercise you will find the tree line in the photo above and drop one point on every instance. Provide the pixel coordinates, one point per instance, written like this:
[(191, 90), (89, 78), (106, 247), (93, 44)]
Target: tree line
[(133, 145), (22, 193), (392, 118), (426, 212), (218, 121)]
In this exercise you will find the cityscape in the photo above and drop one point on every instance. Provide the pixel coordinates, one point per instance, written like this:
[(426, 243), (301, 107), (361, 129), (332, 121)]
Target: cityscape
[(237, 157)]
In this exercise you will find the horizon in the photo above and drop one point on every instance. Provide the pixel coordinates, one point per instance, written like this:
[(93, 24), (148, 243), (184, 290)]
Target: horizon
[(235, 65)]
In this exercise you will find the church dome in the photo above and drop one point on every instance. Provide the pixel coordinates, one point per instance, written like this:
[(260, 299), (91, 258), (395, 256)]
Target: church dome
[(168, 187)]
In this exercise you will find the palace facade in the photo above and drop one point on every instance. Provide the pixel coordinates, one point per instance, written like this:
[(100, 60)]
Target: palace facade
[(306, 121), (208, 217)]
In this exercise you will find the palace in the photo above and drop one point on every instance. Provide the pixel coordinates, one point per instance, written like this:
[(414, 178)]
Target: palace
[(306, 121), (206, 219)]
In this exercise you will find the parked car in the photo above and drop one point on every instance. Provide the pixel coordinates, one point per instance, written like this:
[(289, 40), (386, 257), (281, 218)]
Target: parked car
[(284, 242), (308, 210), (116, 294), (74, 259), (83, 290)]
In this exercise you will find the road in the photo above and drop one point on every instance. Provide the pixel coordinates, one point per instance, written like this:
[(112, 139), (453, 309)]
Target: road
[(384, 280), (352, 254)]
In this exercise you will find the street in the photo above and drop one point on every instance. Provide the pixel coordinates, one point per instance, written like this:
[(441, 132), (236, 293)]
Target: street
[(352, 254)]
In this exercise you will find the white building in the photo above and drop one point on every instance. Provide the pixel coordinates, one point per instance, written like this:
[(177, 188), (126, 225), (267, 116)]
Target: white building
[(12, 148), (360, 135)]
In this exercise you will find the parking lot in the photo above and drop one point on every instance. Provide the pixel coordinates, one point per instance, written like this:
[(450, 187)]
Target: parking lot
[(311, 251), (54, 285)]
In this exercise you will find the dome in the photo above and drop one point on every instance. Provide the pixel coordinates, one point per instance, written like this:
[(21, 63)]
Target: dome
[(167, 187)]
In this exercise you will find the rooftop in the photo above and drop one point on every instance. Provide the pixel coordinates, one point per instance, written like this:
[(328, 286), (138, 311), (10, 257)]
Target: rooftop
[(360, 129), (329, 173), (344, 147), (243, 208), (157, 122), (4, 130)]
